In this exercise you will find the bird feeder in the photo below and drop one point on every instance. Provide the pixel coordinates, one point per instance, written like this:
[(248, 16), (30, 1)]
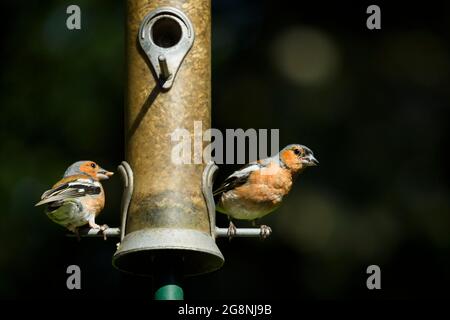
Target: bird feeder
[(168, 223), (168, 88)]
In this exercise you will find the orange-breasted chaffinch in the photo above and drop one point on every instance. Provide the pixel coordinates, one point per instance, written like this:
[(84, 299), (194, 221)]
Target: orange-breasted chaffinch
[(258, 188), (78, 197)]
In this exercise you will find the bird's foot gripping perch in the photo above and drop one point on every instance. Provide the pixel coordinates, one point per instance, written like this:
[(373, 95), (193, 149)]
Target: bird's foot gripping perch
[(231, 230), (102, 228), (266, 231), (263, 231), (88, 232)]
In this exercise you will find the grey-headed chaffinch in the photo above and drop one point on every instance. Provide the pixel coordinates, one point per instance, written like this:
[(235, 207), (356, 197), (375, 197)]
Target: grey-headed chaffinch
[(259, 187), (76, 199)]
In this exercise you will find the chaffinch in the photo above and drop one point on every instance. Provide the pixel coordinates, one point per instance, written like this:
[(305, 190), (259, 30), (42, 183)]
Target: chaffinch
[(77, 198), (259, 187)]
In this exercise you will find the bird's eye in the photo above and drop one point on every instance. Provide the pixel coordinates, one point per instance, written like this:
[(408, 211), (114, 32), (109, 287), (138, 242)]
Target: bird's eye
[(297, 151), (93, 165)]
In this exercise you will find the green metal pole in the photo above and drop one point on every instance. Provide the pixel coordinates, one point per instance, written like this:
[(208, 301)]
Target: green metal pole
[(167, 279), (169, 290)]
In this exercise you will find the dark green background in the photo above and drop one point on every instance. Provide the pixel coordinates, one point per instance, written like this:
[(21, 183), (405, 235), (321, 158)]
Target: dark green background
[(373, 105)]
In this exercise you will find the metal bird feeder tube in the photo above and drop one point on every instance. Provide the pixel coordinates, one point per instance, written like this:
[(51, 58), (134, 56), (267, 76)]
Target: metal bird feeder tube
[(169, 87)]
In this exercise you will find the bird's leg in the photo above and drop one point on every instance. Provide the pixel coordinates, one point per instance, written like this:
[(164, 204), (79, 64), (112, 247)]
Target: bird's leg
[(231, 230), (102, 228), (93, 225), (77, 233), (266, 231)]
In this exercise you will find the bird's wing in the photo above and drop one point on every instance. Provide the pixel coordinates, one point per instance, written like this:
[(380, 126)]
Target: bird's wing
[(73, 178), (238, 178), (74, 189)]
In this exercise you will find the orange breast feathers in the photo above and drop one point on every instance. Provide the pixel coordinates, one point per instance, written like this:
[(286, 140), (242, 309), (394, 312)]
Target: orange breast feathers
[(95, 203), (270, 184)]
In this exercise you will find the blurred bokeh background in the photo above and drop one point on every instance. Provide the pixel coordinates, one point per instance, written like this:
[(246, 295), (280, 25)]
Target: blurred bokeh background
[(373, 105)]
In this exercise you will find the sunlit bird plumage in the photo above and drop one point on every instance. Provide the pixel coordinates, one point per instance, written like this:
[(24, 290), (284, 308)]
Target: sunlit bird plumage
[(259, 188), (78, 198)]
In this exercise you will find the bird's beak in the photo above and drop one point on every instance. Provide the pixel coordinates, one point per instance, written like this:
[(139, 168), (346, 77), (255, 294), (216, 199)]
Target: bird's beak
[(310, 161), (102, 174)]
